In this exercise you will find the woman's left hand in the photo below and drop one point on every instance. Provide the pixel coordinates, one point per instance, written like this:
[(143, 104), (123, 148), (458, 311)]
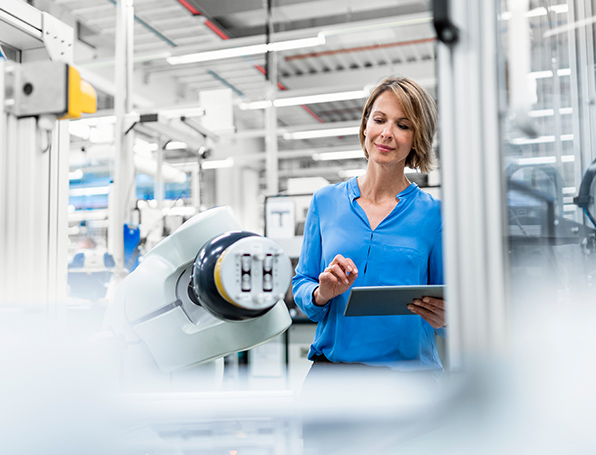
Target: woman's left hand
[(432, 310)]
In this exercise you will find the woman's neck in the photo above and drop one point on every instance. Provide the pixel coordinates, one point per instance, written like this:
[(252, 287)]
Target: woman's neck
[(378, 185)]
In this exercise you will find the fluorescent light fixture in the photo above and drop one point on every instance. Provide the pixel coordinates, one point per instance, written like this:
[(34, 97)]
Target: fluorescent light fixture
[(217, 164), (541, 11), (312, 134), (307, 99), (255, 49), (349, 154), (568, 190), (541, 139), (76, 175), (550, 112), (92, 191), (182, 112), (549, 73), (536, 12), (536, 160), (176, 145), (545, 160)]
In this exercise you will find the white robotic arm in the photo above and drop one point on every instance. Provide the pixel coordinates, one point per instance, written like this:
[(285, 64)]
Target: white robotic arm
[(207, 290)]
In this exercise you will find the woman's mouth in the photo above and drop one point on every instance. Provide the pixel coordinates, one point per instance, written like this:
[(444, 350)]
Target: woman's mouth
[(384, 148)]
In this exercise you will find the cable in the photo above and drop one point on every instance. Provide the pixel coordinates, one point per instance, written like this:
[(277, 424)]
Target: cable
[(589, 215)]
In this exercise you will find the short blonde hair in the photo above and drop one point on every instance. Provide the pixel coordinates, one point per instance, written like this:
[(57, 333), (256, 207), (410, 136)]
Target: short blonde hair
[(420, 108)]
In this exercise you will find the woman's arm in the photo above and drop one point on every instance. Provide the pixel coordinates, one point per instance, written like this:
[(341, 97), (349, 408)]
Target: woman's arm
[(309, 267)]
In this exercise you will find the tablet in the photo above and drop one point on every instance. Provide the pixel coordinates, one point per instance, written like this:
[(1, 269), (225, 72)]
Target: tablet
[(388, 300)]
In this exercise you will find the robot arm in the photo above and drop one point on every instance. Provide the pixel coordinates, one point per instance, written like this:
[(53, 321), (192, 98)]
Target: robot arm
[(207, 290)]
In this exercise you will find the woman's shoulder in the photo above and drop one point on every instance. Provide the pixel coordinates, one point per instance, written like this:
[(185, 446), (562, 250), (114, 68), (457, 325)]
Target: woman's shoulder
[(330, 191), (429, 201)]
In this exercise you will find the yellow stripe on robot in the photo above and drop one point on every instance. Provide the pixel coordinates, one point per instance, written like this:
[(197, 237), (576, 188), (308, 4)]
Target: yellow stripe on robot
[(218, 282)]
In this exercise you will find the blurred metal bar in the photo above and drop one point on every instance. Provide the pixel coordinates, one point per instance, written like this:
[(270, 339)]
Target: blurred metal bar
[(473, 193)]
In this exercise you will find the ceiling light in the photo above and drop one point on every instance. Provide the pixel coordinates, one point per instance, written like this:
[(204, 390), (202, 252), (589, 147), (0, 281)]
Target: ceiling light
[(174, 113), (549, 73), (176, 145), (307, 99), (255, 49), (549, 112), (544, 160), (92, 191), (312, 134), (76, 175), (541, 139), (350, 154), (540, 11), (217, 164)]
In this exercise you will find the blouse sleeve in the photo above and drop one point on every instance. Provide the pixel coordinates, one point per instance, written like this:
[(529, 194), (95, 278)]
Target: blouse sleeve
[(309, 267)]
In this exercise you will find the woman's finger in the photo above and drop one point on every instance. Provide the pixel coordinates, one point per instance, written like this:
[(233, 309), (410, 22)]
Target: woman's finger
[(339, 272)]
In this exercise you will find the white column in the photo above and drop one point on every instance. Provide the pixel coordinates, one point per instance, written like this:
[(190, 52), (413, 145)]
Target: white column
[(271, 161), (122, 193)]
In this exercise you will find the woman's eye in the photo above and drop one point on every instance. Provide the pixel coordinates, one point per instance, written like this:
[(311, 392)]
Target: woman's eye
[(378, 120), (404, 127)]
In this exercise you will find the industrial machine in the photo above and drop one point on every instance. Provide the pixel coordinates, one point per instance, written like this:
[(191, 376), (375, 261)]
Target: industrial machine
[(207, 290), (39, 89)]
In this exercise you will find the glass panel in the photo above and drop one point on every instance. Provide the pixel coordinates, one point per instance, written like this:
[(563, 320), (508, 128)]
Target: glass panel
[(549, 95)]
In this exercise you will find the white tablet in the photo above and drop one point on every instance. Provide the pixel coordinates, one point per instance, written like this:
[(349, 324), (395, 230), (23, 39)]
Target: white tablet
[(388, 300)]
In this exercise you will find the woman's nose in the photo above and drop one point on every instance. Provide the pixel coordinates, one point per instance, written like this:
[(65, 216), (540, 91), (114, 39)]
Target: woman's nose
[(386, 132)]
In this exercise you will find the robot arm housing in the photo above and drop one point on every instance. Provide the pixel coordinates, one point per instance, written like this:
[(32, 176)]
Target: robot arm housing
[(207, 290)]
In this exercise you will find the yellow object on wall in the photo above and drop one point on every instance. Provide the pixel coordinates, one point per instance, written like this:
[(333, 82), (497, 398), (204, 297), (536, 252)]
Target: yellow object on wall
[(81, 96)]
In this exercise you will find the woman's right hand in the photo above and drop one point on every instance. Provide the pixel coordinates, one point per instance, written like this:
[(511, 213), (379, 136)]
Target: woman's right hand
[(335, 279)]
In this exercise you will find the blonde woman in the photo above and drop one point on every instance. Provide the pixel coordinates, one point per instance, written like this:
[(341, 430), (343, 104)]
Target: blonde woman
[(377, 229)]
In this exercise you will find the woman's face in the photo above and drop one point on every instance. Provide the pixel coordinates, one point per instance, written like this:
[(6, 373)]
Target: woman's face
[(389, 133)]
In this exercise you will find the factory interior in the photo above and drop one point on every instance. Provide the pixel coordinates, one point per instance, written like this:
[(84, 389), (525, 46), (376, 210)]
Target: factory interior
[(137, 134)]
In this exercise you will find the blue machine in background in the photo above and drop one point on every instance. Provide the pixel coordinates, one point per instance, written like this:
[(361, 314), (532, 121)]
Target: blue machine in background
[(132, 244)]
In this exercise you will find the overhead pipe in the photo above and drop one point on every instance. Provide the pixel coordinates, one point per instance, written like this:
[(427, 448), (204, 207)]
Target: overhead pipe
[(348, 50)]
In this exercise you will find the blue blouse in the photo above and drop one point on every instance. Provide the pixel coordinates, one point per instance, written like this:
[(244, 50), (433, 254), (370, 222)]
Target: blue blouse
[(405, 248)]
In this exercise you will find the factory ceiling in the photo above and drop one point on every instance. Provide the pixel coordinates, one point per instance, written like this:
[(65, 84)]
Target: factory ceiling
[(363, 42)]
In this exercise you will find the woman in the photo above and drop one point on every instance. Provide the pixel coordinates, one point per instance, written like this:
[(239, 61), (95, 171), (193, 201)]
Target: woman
[(377, 229)]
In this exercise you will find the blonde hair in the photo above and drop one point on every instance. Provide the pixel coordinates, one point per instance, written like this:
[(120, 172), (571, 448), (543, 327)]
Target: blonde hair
[(420, 108)]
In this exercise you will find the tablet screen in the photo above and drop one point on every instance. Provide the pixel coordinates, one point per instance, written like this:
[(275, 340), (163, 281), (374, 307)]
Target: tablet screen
[(388, 300)]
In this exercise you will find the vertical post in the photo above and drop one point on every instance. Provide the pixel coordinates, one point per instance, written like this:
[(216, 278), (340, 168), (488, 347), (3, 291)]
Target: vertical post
[(271, 160), (158, 188), (473, 191), (122, 191), (195, 186)]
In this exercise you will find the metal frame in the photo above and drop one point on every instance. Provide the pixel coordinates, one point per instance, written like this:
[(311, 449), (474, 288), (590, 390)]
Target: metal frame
[(583, 83), (34, 179), (472, 179)]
